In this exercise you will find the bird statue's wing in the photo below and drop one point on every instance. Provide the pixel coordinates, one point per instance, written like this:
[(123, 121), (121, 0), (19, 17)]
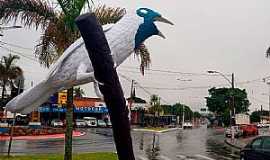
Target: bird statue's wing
[(76, 45)]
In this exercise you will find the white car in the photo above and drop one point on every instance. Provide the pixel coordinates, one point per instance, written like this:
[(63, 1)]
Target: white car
[(90, 121), (187, 125), (260, 125), (109, 124), (101, 123), (57, 123), (80, 123), (238, 132)]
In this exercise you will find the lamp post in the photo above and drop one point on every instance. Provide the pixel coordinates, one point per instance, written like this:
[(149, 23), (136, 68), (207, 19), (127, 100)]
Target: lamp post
[(183, 115), (232, 110), (268, 83)]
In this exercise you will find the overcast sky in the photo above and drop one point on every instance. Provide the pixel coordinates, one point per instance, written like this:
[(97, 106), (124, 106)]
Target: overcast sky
[(230, 36)]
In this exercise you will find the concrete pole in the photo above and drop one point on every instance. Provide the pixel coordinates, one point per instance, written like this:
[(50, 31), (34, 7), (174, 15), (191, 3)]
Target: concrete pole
[(183, 117), (232, 109), (13, 124)]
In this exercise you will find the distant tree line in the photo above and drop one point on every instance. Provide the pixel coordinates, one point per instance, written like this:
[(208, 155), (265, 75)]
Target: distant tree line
[(220, 102)]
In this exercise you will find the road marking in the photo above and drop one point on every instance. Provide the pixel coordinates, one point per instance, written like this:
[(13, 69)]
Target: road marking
[(203, 157), (164, 157), (181, 156), (142, 158)]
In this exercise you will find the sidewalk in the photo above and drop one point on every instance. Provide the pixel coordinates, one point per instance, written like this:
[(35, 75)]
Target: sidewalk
[(238, 143)]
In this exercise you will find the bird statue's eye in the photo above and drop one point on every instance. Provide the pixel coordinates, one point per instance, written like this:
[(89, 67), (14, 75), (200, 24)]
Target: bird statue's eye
[(143, 11)]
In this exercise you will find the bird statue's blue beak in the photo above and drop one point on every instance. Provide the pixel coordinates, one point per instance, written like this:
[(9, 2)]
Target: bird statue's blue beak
[(163, 20)]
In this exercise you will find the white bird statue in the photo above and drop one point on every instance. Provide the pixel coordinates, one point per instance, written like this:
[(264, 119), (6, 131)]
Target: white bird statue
[(74, 66)]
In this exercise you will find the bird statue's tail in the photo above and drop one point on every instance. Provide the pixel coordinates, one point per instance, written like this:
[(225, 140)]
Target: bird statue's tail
[(31, 99)]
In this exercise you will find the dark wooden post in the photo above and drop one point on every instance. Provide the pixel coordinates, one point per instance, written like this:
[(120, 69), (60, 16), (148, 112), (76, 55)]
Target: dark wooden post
[(69, 125), (109, 84)]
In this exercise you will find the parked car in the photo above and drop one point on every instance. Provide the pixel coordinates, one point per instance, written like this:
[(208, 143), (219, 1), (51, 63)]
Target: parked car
[(101, 123), (109, 124), (238, 132), (257, 149), (80, 123), (90, 121), (57, 123), (260, 125), (249, 130), (187, 125)]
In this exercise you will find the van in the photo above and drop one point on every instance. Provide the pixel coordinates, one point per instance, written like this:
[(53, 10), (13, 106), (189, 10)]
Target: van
[(90, 121)]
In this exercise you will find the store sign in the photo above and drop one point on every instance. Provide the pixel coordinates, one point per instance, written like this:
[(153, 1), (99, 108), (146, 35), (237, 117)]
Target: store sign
[(62, 98), (90, 110), (46, 109)]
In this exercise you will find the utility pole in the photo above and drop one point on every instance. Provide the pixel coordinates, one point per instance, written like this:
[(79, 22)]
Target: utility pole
[(261, 113), (13, 123), (183, 117), (233, 107), (232, 110), (131, 99), (268, 83)]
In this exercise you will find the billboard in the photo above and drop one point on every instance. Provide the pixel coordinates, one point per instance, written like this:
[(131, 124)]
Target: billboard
[(242, 119), (62, 98)]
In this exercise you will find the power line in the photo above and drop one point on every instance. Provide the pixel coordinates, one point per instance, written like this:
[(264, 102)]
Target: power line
[(145, 90), (17, 46), (19, 53), (258, 100), (171, 72)]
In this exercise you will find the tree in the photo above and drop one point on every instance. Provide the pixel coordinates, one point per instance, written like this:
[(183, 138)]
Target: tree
[(177, 109), (196, 115), (78, 92), (59, 32), (8, 72), (155, 108), (256, 115), (220, 102)]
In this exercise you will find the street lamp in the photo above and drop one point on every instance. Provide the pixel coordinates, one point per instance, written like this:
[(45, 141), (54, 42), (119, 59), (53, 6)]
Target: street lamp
[(232, 112), (183, 116), (231, 82), (184, 80)]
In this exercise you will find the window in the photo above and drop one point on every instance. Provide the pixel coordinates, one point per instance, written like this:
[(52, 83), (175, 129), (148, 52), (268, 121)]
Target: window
[(256, 144), (266, 144)]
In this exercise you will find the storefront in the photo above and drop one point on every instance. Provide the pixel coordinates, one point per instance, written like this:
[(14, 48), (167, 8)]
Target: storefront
[(83, 107)]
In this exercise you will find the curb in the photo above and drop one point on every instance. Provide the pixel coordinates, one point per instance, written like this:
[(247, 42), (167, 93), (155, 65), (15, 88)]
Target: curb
[(42, 137), (153, 131), (232, 145)]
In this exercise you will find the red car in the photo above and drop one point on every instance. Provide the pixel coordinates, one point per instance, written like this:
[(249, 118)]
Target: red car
[(249, 130)]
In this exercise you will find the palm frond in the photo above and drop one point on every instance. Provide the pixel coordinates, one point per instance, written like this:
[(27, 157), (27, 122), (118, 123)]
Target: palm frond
[(71, 10), (56, 38), (144, 56), (107, 15), (31, 12)]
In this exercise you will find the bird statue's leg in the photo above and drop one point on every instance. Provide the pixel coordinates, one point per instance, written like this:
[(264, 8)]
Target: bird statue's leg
[(100, 55), (82, 72), (98, 92)]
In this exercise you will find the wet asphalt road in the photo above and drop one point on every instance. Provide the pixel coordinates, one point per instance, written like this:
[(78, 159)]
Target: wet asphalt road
[(197, 144)]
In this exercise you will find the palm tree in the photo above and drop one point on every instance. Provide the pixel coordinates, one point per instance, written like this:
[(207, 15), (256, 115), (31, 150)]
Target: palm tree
[(8, 71), (156, 108), (59, 32), (78, 92)]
